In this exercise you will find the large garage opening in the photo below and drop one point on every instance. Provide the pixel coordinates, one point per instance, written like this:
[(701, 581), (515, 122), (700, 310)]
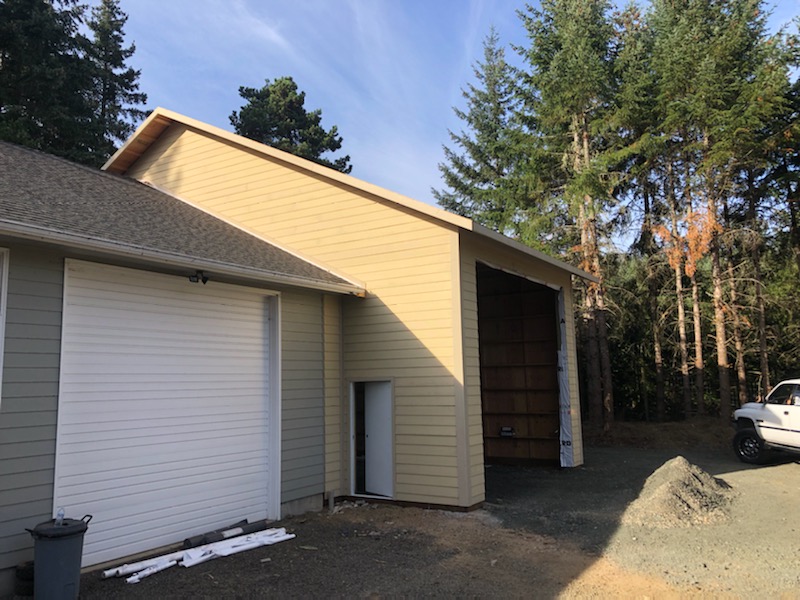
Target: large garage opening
[(518, 329)]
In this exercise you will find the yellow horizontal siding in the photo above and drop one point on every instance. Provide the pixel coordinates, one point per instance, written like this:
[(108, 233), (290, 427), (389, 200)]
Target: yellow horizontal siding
[(426, 493), (428, 460), (441, 404), (422, 412), (440, 429), (416, 473), (412, 453)]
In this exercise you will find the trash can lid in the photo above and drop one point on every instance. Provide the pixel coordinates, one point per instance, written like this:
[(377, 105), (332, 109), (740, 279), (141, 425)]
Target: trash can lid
[(49, 529)]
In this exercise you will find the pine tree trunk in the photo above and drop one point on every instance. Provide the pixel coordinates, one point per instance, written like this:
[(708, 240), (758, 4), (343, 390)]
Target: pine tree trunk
[(699, 365), (697, 322), (736, 321), (683, 346), (593, 385), (605, 358), (720, 330), (649, 248), (794, 228), (658, 355), (766, 385), (602, 326), (741, 371), (738, 343), (598, 357), (592, 257), (721, 341), (755, 259)]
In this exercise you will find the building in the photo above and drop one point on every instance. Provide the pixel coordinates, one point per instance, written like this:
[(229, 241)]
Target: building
[(209, 290)]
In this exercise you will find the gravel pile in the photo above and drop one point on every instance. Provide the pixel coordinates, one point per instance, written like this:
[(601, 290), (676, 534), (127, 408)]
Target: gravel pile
[(680, 494)]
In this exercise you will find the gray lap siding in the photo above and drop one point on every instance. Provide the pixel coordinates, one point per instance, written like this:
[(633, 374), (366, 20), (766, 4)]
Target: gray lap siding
[(29, 402)]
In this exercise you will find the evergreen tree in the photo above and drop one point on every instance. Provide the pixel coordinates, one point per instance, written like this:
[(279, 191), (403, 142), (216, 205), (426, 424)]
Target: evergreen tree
[(43, 77), (275, 115), (114, 95), (479, 174)]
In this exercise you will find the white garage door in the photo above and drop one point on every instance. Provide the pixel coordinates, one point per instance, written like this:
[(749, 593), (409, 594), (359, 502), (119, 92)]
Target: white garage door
[(164, 411)]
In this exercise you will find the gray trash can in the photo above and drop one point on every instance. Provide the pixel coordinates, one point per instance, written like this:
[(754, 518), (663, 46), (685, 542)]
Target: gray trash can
[(57, 551)]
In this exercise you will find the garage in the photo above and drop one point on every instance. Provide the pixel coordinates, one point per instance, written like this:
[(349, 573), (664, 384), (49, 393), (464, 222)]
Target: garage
[(168, 419)]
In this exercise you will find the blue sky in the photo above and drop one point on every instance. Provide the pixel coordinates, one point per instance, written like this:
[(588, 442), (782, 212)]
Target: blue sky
[(386, 72)]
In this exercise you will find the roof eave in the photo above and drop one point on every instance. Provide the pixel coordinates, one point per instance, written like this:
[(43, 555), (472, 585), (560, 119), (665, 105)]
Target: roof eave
[(493, 235), (41, 234)]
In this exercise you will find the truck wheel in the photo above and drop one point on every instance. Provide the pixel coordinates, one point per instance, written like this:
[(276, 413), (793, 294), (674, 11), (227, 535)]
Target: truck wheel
[(748, 446)]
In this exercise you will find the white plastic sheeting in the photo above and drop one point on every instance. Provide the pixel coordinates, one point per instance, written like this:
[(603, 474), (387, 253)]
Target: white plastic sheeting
[(567, 455)]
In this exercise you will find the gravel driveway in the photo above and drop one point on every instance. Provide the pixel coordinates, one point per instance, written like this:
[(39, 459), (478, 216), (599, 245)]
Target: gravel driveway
[(543, 533)]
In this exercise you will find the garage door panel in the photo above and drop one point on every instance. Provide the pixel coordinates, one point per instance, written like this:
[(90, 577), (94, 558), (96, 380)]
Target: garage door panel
[(225, 415), (164, 339), (204, 398), (163, 408), (103, 411), (214, 430), (135, 470), (96, 389), (205, 352), (237, 361), (158, 449), (164, 525), (139, 499)]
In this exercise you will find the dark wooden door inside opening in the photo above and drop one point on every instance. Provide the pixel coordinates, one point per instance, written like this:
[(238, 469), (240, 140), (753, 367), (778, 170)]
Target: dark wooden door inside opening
[(518, 336)]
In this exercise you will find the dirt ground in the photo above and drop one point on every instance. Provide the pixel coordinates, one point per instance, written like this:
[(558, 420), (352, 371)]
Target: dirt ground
[(596, 531)]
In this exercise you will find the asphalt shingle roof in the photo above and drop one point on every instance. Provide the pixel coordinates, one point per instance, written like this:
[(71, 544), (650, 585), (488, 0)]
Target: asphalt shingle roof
[(45, 192)]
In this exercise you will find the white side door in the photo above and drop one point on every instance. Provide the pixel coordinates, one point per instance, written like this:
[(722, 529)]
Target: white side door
[(379, 474)]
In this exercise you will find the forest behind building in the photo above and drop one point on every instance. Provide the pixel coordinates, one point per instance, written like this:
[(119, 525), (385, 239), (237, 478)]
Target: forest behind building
[(656, 147)]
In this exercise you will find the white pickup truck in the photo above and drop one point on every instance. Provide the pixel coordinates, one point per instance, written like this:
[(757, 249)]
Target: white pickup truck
[(770, 425)]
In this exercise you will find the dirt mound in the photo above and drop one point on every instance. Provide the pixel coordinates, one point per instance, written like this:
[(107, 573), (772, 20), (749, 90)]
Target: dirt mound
[(680, 494)]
